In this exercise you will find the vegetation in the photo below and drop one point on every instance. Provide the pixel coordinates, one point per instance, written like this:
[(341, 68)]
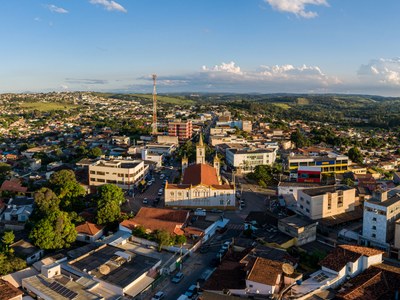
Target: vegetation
[(46, 106), (109, 199), (356, 155), (266, 175), (54, 231)]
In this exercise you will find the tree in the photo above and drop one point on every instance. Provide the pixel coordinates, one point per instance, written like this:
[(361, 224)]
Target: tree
[(110, 192), (46, 201), (162, 237), (348, 181), (8, 239), (356, 155), (299, 139), (60, 178), (95, 152), (139, 231), (4, 170), (107, 212), (179, 240), (10, 264), (55, 231)]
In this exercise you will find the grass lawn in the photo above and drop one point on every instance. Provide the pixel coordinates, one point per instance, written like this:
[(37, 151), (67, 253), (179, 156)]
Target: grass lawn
[(282, 105), (46, 106)]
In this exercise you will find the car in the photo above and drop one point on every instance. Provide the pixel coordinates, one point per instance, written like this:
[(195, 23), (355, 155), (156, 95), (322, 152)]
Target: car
[(158, 296), (145, 201), (177, 278), (149, 183), (161, 190), (162, 176), (191, 292), (226, 245)]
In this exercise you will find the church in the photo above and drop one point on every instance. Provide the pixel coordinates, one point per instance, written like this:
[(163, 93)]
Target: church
[(201, 185)]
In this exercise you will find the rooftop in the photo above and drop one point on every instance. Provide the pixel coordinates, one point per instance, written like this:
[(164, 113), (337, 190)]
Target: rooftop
[(297, 221), (89, 228), (8, 291), (114, 265), (326, 189), (265, 271), (200, 174)]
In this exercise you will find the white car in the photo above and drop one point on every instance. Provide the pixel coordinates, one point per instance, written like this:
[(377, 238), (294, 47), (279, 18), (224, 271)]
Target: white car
[(158, 296)]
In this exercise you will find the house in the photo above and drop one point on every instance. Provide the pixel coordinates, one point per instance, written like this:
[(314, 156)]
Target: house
[(327, 201), (9, 292), (344, 262), (89, 232), (27, 251), (380, 281), (14, 186), (152, 219), (17, 213)]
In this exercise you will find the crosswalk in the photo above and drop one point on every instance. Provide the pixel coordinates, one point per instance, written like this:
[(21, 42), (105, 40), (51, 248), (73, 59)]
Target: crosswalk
[(235, 226)]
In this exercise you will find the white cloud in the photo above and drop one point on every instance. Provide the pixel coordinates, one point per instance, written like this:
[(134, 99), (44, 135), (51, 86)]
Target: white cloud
[(109, 5), (56, 9), (297, 7), (385, 71), (224, 67)]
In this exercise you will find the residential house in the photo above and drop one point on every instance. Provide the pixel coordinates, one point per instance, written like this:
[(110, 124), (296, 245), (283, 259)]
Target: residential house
[(9, 292), (27, 251), (89, 232)]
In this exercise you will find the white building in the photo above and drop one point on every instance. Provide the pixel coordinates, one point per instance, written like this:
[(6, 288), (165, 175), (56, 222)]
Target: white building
[(201, 185), (380, 215), (245, 160), (124, 173)]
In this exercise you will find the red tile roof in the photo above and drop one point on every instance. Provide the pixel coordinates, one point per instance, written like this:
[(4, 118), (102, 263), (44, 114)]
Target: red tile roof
[(341, 255), (200, 174), (153, 224), (173, 215), (13, 185), (265, 271), (8, 291), (88, 228)]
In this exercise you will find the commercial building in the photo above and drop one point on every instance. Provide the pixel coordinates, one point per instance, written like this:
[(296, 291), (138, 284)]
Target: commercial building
[(182, 129), (329, 162), (328, 201), (299, 227), (245, 160), (380, 215), (124, 173), (309, 174)]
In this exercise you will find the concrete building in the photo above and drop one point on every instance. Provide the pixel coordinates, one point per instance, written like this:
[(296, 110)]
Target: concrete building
[(182, 129), (245, 160), (124, 173), (120, 140), (201, 185), (327, 201), (299, 227), (330, 162), (380, 215)]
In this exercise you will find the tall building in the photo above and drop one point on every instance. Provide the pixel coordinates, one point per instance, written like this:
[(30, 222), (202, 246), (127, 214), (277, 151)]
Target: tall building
[(380, 215), (201, 185), (182, 129), (245, 160)]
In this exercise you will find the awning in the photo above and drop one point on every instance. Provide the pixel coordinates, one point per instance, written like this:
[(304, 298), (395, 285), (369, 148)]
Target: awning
[(139, 286)]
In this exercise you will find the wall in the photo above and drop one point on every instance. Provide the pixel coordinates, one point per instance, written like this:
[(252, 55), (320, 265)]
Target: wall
[(262, 289)]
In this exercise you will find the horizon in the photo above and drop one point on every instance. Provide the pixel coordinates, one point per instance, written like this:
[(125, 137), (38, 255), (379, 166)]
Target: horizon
[(257, 46)]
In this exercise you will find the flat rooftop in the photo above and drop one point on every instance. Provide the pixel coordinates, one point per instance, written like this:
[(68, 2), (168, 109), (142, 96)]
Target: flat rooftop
[(297, 221), (326, 189), (386, 203), (107, 264)]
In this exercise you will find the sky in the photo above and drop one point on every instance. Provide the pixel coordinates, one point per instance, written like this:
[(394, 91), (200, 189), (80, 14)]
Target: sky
[(243, 46)]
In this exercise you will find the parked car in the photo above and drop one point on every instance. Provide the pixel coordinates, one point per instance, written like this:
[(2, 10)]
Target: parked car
[(162, 176), (158, 296), (191, 292), (177, 278), (145, 201), (226, 245)]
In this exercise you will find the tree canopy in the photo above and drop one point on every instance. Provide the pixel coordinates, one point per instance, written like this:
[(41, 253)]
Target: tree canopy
[(356, 155), (46, 201), (55, 231), (109, 199)]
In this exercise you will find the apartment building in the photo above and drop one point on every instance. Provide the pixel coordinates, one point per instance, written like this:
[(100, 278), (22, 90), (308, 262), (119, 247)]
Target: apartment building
[(245, 160), (380, 216), (182, 129), (124, 173), (327, 201)]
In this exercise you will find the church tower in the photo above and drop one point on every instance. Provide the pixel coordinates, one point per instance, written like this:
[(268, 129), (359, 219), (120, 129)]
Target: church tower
[(217, 166), (200, 151)]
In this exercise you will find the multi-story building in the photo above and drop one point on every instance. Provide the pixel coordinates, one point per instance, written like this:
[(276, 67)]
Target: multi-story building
[(327, 201), (329, 162), (182, 129), (245, 160), (380, 215), (124, 173)]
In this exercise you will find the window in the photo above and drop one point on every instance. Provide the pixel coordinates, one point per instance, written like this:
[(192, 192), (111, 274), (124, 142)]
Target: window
[(301, 199), (374, 227), (374, 219), (172, 193), (307, 210), (308, 202), (373, 235), (301, 206), (329, 201), (221, 202), (215, 194)]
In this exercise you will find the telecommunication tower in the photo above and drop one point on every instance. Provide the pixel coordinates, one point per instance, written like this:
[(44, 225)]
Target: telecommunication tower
[(154, 131)]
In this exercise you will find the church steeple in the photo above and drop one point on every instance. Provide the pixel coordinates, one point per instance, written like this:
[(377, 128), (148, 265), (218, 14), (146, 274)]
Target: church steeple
[(200, 151)]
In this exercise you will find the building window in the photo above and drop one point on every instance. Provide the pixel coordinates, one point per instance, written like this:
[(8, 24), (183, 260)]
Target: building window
[(308, 202), (374, 227), (373, 235), (215, 194), (221, 202), (340, 201), (172, 193), (307, 210), (374, 219), (301, 206), (329, 201), (301, 199)]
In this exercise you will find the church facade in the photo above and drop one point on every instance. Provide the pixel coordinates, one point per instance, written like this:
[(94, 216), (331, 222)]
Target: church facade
[(201, 185)]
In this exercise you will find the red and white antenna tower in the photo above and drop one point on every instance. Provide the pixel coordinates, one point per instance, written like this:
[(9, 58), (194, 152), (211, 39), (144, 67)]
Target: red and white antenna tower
[(154, 125)]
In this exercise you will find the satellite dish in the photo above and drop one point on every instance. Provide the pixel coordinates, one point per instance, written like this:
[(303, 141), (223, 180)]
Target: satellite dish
[(104, 269), (287, 269)]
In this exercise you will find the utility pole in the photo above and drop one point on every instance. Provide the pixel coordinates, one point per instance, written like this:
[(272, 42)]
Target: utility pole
[(154, 125)]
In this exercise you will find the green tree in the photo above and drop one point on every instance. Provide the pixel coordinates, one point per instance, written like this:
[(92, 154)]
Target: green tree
[(10, 264), (8, 239), (4, 170), (139, 231), (110, 192), (356, 155), (95, 152), (59, 178), (107, 212), (179, 240), (163, 238), (348, 181), (299, 139), (55, 231), (46, 201)]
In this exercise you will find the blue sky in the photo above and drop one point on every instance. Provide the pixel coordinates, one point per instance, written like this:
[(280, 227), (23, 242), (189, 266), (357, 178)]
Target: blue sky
[(268, 46)]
